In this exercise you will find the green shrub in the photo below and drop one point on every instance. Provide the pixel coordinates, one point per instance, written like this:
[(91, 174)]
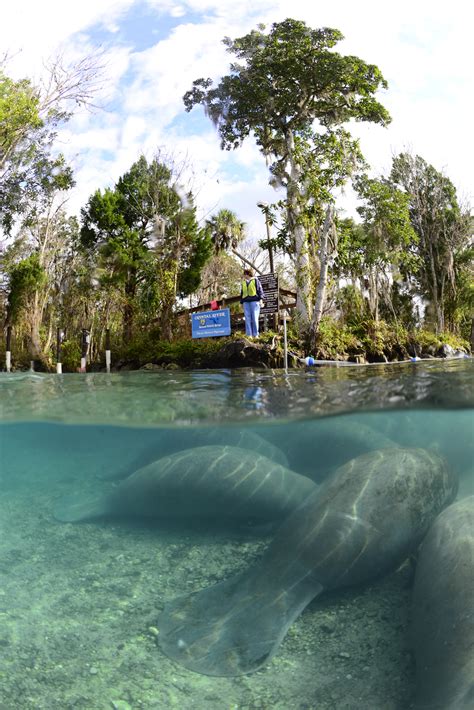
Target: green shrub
[(185, 352), (71, 355), (336, 340), (426, 340)]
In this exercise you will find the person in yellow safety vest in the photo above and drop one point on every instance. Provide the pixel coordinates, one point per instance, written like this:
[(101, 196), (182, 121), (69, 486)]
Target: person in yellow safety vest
[(251, 293)]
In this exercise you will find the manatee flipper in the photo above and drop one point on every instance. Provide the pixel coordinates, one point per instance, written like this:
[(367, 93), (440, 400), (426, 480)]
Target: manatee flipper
[(82, 505), (233, 627)]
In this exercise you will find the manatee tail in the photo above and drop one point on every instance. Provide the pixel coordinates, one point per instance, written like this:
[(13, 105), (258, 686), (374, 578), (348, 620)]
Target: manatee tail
[(82, 505), (233, 627)]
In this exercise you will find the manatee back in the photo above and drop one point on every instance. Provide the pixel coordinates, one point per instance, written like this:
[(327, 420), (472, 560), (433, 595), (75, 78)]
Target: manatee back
[(168, 441), (443, 611), (222, 481), (366, 518), (317, 448)]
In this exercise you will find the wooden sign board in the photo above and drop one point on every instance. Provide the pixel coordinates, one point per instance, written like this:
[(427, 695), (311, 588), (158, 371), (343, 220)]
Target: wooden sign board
[(270, 289)]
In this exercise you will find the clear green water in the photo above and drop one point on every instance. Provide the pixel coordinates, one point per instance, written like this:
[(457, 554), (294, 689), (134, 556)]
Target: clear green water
[(79, 603)]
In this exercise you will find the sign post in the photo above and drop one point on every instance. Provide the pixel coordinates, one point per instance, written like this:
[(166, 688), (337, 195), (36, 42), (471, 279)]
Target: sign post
[(270, 287), (209, 324), (285, 344), (271, 290)]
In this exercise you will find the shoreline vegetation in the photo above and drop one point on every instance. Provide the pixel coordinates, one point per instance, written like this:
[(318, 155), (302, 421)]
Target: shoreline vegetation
[(378, 343)]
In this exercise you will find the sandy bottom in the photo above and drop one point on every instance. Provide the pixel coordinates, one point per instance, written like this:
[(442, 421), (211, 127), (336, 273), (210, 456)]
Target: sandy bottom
[(78, 610)]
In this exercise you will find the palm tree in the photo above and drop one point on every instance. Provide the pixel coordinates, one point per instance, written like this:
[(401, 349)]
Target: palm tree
[(227, 231)]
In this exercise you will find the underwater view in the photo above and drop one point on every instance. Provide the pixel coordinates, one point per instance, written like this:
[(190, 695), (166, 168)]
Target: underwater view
[(238, 540)]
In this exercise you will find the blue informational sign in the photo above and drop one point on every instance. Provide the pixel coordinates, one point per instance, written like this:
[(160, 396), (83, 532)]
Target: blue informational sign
[(208, 324)]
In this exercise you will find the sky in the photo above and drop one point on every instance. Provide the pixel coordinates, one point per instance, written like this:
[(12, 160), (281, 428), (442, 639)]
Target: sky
[(154, 49)]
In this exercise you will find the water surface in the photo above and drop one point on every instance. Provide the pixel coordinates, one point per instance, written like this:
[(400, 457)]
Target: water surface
[(79, 603)]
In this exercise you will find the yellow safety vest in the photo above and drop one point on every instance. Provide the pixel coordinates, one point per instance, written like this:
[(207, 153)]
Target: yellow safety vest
[(249, 288)]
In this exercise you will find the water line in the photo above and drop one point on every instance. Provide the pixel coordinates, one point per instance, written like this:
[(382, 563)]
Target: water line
[(311, 361)]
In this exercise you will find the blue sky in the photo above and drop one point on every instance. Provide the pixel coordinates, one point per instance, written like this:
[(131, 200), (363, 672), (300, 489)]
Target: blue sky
[(156, 48)]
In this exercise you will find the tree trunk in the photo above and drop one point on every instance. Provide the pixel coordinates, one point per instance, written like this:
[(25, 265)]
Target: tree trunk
[(302, 261), (169, 280), (373, 293), (129, 307), (246, 261), (440, 314), (36, 350), (328, 227), (434, 285)]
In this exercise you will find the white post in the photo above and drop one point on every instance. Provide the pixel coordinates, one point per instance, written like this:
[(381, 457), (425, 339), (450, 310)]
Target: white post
[(285, 343), (8, 349), (108, 354), (59, 340)]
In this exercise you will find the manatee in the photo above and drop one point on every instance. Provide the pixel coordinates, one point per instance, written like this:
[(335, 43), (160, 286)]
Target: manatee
[(330, 442), (169, 441), (364, 521), (207, 481), (443, 612)]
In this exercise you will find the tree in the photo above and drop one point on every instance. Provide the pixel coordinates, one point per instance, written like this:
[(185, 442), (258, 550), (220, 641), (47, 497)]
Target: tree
[(34, 281), (26, 277), (387, 241), (459, 305), (29, 118), (221, 276), (32, 177), (280, 85), (147, 234), (19, 116), (227, 232), (443, 230), (41, 228)]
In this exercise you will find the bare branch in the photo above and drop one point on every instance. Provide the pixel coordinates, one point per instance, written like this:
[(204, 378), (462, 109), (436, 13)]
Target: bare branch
[(72, 85)]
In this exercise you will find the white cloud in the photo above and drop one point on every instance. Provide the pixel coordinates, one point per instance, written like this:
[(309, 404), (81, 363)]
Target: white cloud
[(165, 71), (32, 31), (422, 47)]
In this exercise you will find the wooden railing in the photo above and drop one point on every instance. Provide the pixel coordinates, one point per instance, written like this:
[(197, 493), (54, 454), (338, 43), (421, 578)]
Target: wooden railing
[(225, 302)]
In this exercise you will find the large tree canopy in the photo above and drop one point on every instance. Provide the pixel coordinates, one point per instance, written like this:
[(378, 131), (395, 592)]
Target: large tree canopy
[(292, 92), (444, 232), (285, 80), (147, 234), (29, 118)]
